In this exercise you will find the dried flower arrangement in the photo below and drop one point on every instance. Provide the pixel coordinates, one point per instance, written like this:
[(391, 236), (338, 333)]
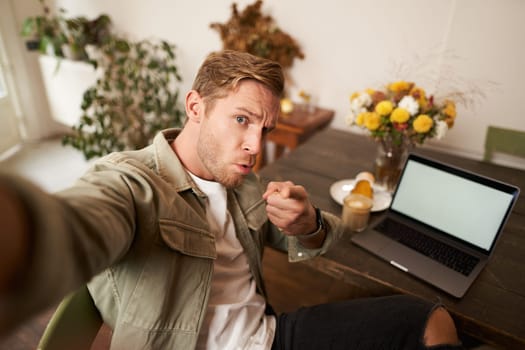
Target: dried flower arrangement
[(251, 31)]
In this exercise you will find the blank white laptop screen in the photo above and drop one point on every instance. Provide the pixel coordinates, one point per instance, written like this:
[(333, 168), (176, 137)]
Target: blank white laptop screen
[(462, 208)]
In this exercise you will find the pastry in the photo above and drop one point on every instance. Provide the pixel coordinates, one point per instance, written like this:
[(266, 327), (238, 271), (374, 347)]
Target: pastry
[(366, 175), (364, 188)]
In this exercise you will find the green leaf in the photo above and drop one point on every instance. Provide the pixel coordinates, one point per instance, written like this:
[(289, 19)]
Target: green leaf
[(28, 26)]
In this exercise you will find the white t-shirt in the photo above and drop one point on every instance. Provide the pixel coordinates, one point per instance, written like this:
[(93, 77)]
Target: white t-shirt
[(235, 316)]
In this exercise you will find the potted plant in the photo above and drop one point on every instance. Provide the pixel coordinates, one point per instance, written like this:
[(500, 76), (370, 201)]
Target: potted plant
[(80, 33), (258, 34), (136, 96), (62, 37), (132, 94), (65, 66), (252, 31)]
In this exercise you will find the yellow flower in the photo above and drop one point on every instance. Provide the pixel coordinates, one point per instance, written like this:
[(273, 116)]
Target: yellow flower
[(399, 115), (305, 96), (360, 119), (399, 86), (423, 123), (372, 121), (450, 109), (401, 109), (384, 108)]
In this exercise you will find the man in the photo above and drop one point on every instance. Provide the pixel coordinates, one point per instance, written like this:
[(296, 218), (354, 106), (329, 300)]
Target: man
[(170, 237)]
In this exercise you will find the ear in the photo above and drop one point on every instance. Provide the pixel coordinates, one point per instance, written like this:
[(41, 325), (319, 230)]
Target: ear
[(194, 106)]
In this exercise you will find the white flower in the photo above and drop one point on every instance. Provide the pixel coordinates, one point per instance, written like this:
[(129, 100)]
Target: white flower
[(359, 103), (350, 118), (441, 129), (410, 104)]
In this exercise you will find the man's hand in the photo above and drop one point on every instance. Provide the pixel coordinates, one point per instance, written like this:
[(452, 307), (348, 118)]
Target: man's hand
[(14, 237), (289, 209)]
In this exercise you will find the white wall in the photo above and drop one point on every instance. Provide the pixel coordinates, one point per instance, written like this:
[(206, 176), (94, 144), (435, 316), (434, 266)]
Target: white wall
[(351, 45), (32, 107)]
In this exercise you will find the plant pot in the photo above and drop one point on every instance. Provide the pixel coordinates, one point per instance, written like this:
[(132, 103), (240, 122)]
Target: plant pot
[(65, 82)]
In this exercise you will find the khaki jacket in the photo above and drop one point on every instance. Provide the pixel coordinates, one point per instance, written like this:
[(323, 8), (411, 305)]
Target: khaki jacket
[(141, 214)]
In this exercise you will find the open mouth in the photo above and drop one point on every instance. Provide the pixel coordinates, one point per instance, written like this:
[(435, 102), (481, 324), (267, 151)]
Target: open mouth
[(245, 168)]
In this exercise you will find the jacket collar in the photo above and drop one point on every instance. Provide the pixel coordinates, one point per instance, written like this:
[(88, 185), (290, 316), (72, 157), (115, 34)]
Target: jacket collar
[(169, 165)]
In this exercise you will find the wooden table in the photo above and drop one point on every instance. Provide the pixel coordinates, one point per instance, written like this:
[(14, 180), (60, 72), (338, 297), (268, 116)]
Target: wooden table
[(493, 310), (294, 128)]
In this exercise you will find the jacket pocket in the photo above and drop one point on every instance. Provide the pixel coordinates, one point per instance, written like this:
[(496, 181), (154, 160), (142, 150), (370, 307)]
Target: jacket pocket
[(187, 239)]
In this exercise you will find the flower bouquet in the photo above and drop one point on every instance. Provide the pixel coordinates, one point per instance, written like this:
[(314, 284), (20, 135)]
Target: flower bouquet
[(398, 117), (403, 113)]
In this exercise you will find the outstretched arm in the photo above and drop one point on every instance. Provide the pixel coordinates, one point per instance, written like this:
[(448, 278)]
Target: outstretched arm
[(50, 244), (14, 237)]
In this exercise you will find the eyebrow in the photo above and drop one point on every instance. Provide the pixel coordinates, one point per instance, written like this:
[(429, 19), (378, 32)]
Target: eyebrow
[(245, 110), (251, 114)]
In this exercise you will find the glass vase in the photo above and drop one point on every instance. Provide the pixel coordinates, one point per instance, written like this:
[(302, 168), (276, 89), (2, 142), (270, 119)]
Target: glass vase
[(390, 158)]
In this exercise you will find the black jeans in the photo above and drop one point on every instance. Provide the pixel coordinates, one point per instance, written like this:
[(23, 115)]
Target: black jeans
[(393, 322)]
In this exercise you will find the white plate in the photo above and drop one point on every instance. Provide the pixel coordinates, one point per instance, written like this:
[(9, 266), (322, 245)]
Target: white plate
[(341, 188)]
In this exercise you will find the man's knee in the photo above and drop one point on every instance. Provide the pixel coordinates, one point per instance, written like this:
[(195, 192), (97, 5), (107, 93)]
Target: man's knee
[(440, 329)]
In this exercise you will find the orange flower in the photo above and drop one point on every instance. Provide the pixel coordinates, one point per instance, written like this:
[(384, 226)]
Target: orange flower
[(400, 85), (420, 96), (450, 109), (450, 122), (401, 111)]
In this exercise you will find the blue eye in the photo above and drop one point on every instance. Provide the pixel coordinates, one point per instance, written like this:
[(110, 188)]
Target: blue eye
[(241, 119)]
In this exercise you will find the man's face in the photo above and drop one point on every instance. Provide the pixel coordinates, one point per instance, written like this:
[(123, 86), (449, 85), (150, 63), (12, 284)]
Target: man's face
[(232, 132)]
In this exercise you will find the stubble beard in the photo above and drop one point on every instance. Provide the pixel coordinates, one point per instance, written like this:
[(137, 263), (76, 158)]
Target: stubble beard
[(208, 152)]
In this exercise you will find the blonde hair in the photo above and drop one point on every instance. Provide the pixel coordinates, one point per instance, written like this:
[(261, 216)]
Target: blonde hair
[(222, 71)]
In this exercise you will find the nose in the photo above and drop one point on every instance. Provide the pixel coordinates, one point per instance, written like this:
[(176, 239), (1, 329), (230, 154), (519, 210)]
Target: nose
[(253, 143)]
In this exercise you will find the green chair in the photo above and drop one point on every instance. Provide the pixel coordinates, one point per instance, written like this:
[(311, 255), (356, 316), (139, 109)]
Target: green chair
[(502, 140), (74, 325)]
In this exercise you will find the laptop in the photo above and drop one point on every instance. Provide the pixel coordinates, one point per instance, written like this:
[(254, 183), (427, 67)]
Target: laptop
[(442, 224)]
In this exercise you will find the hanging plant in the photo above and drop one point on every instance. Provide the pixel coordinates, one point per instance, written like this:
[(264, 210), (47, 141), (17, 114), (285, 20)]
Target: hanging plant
[(57, 35)]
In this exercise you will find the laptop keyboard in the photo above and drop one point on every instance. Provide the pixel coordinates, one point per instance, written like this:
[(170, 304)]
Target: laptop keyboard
[(449, 256)]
